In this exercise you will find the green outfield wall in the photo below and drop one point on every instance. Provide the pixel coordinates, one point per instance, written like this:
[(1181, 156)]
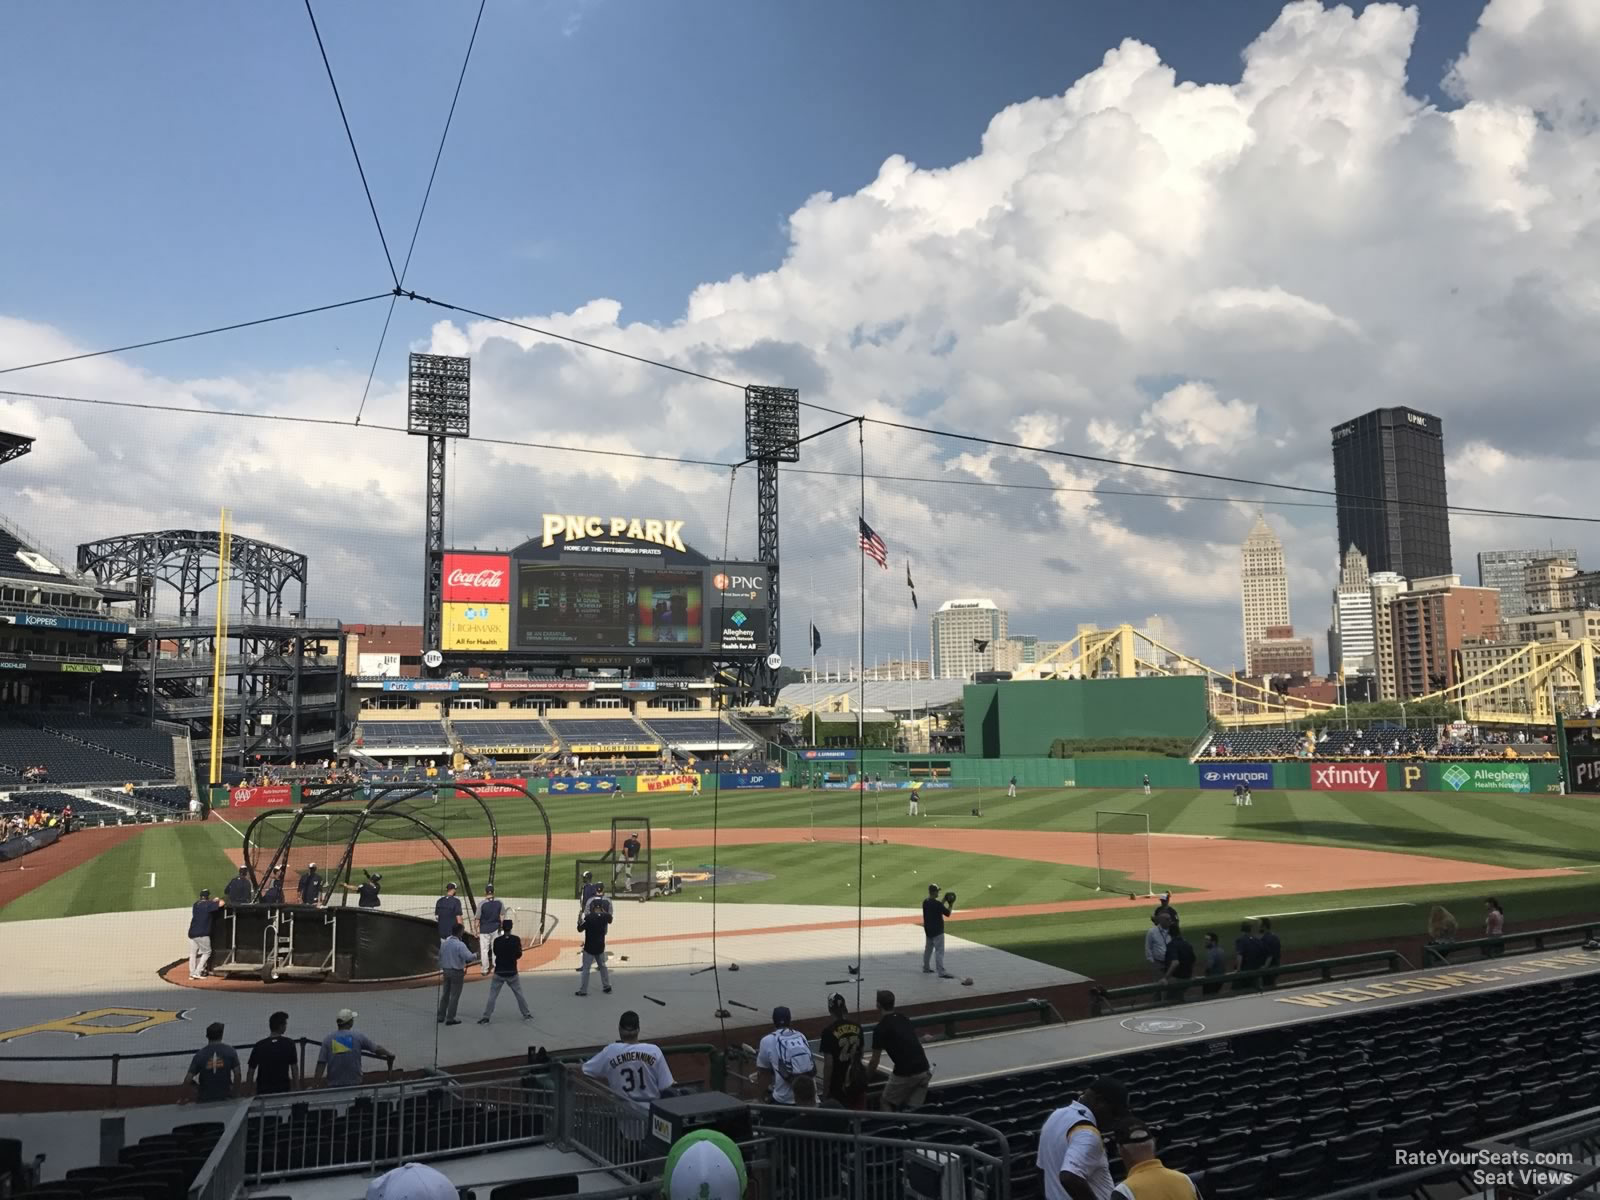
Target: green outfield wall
[(1022, 718)]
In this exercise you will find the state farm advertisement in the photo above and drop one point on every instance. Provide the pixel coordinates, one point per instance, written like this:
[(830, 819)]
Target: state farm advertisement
[(272, 795), (477, 578), (486, 788), (1349, 777)]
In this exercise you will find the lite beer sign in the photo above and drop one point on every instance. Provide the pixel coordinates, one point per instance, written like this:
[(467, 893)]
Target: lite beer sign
[(576, 528)]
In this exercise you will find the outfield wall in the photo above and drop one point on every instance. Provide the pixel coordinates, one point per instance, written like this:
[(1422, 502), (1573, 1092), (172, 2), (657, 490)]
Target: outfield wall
[(1023, 718)]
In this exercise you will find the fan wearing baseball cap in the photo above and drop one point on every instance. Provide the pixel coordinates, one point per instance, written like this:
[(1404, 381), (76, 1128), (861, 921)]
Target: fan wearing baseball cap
[(704, 1165), (340, 1056), (413, 1181), (1147, 1178), (1072, 1151)]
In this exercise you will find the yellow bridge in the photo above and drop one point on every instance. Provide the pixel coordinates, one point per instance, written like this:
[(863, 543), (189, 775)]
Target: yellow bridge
[(1524, 688)]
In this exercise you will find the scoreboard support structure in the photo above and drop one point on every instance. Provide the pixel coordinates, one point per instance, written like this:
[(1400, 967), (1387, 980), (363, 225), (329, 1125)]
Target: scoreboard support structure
[(1579, 741)]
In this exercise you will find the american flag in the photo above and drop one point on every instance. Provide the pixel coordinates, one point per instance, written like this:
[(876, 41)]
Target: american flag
[(872, 546)]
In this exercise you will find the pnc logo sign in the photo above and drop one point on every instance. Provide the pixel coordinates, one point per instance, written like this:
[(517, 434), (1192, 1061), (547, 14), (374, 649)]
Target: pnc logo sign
[(1348, 777), (739, 583), (575, 528)]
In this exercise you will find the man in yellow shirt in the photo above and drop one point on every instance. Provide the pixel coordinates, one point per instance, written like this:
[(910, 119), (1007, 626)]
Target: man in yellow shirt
[(1147, 1179)]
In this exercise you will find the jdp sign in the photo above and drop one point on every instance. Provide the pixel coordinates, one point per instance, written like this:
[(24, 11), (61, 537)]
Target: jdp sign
[(1486, 777)]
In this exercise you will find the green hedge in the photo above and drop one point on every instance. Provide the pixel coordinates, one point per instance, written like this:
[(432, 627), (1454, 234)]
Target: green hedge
[(1133, 747)]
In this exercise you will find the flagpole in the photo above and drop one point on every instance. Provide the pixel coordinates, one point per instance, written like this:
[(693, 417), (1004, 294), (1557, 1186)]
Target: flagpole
[(861, 739), (910, 616)]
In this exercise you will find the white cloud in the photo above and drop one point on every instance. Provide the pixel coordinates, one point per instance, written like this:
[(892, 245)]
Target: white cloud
[(1205, 277)]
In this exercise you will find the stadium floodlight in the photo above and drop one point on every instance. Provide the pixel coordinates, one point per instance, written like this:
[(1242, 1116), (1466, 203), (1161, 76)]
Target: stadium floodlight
[(14, 445), (772, 424), (439, 396)]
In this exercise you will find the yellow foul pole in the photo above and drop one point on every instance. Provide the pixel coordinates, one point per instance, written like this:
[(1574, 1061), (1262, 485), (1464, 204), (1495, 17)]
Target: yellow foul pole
[(219, 665)]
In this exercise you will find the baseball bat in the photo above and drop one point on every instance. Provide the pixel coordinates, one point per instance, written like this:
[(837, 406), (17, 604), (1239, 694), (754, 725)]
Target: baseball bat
[(653, 1000)]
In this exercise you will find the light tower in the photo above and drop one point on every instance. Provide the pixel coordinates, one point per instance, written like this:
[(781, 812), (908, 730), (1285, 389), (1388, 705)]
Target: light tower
[(439, 408), (771, 436)]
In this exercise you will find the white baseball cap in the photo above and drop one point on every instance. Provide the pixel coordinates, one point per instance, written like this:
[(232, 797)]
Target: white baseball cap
[(347, 1015), (704, 1165), (413, 1181)]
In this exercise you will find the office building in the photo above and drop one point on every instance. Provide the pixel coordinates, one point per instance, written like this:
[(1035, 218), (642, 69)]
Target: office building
[(1429, 624), (957, 630), (1549, 584), (1385, 586), (1388, 473), (1507, 571), (1279, 652), (1352, 646), (1263, 587)]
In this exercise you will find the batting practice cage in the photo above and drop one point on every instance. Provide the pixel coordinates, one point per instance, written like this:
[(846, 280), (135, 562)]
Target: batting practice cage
[(624, 876), (1122, 853)]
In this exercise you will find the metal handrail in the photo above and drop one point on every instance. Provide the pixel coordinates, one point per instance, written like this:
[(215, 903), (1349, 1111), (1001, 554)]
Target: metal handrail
[(1442, 950), (1393, 961)]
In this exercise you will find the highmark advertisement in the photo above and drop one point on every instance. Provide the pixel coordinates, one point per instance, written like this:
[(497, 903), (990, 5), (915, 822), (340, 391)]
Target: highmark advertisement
[(1487, 777)]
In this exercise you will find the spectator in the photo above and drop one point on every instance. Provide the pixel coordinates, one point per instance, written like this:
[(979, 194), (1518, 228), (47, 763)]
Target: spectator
[(214, 1069), (342, 1050), (412, 1181), (1155, 942), (490, 914), (1215, 965), (844, 1075), (454, 959), (635, 1070), (703, 1165), (593, 924), (447, 911), (1146, 1178), (238, 889), (274, 1060), (1271, 953), (1494, 926), (1441, 926), (1164, 905), (783, 1056), (507, 949), (1247, 956), (200, 916), (1179, 965), (934, 911), (896, 1036), (1072, 1151)]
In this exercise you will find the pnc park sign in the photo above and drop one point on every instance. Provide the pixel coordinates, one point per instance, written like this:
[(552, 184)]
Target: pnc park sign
[(569, 528)]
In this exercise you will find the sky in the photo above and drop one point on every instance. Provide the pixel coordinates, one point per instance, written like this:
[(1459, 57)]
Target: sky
[(1192, 234)]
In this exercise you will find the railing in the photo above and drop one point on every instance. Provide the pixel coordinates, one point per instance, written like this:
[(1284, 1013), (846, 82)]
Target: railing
[(373, 1127), (222, 1176), (1406, 1183), (1532, 940), (1159, 994)]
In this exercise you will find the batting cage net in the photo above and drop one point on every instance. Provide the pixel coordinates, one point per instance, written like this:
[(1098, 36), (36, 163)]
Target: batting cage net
[(627, 870), (1122, 853)]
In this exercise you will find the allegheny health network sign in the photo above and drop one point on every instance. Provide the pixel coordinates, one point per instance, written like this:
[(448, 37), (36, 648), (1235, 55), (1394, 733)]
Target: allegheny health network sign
[(1487, 777)]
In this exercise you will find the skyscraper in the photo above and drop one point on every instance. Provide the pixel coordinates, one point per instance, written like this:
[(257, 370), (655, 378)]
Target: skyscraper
[(958, 628), (1263, 587), (1353, 649), (1385, 586), (1388, 473), (1506, 570)]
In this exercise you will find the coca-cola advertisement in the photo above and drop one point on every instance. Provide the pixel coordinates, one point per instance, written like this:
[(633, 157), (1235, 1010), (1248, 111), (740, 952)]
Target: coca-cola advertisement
[(477, 578)]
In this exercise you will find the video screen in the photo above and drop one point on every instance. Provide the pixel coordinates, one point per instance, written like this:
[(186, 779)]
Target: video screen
[(668, 608), (573, 606)]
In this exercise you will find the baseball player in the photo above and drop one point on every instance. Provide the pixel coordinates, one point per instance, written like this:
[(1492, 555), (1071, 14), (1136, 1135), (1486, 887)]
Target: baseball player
[(591, 889), (310, 885), (367, 895), (447, 911), (630, 854), (593, 924), (1011, 788), (632, 1069), (913, 799), (200, 917), (238, 889), (1248, 799), (1238, 794), (490, 913), (272, 889), (1147, 785), (934, 911)]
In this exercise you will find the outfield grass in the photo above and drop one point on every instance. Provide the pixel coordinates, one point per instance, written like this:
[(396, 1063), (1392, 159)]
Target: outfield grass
[(1522, 831)]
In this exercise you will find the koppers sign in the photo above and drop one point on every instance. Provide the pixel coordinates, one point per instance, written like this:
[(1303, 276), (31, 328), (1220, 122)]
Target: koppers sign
[(668, 783), (477, 579), (274, 795), (1472, 777), (1349, 777), (1233, 774)]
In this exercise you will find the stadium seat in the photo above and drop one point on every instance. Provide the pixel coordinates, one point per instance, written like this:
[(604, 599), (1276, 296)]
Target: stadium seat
[(1245, 1179), (1299, 1172)]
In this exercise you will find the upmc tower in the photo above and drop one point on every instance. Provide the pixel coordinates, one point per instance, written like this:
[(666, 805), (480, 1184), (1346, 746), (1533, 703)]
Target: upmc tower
[(1388, 471)]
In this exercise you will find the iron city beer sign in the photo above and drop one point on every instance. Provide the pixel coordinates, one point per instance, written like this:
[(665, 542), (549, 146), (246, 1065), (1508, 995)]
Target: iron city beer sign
[(575, 528)]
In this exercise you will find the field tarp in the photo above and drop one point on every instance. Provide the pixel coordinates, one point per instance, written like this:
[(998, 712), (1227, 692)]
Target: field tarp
[(14, 848)]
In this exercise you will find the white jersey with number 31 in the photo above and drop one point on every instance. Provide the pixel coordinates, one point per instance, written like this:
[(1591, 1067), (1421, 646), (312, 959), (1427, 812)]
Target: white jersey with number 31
[(637, 1070)]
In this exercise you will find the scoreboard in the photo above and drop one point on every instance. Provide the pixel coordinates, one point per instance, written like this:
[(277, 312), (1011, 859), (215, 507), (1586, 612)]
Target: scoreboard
[(1580, 753), (608, 586)]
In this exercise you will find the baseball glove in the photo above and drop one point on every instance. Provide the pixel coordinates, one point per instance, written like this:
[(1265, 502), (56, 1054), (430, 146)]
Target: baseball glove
[(950, 898)]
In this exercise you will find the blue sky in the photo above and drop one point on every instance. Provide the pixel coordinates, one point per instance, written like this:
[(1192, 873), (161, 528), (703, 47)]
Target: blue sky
[(183, 164)]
